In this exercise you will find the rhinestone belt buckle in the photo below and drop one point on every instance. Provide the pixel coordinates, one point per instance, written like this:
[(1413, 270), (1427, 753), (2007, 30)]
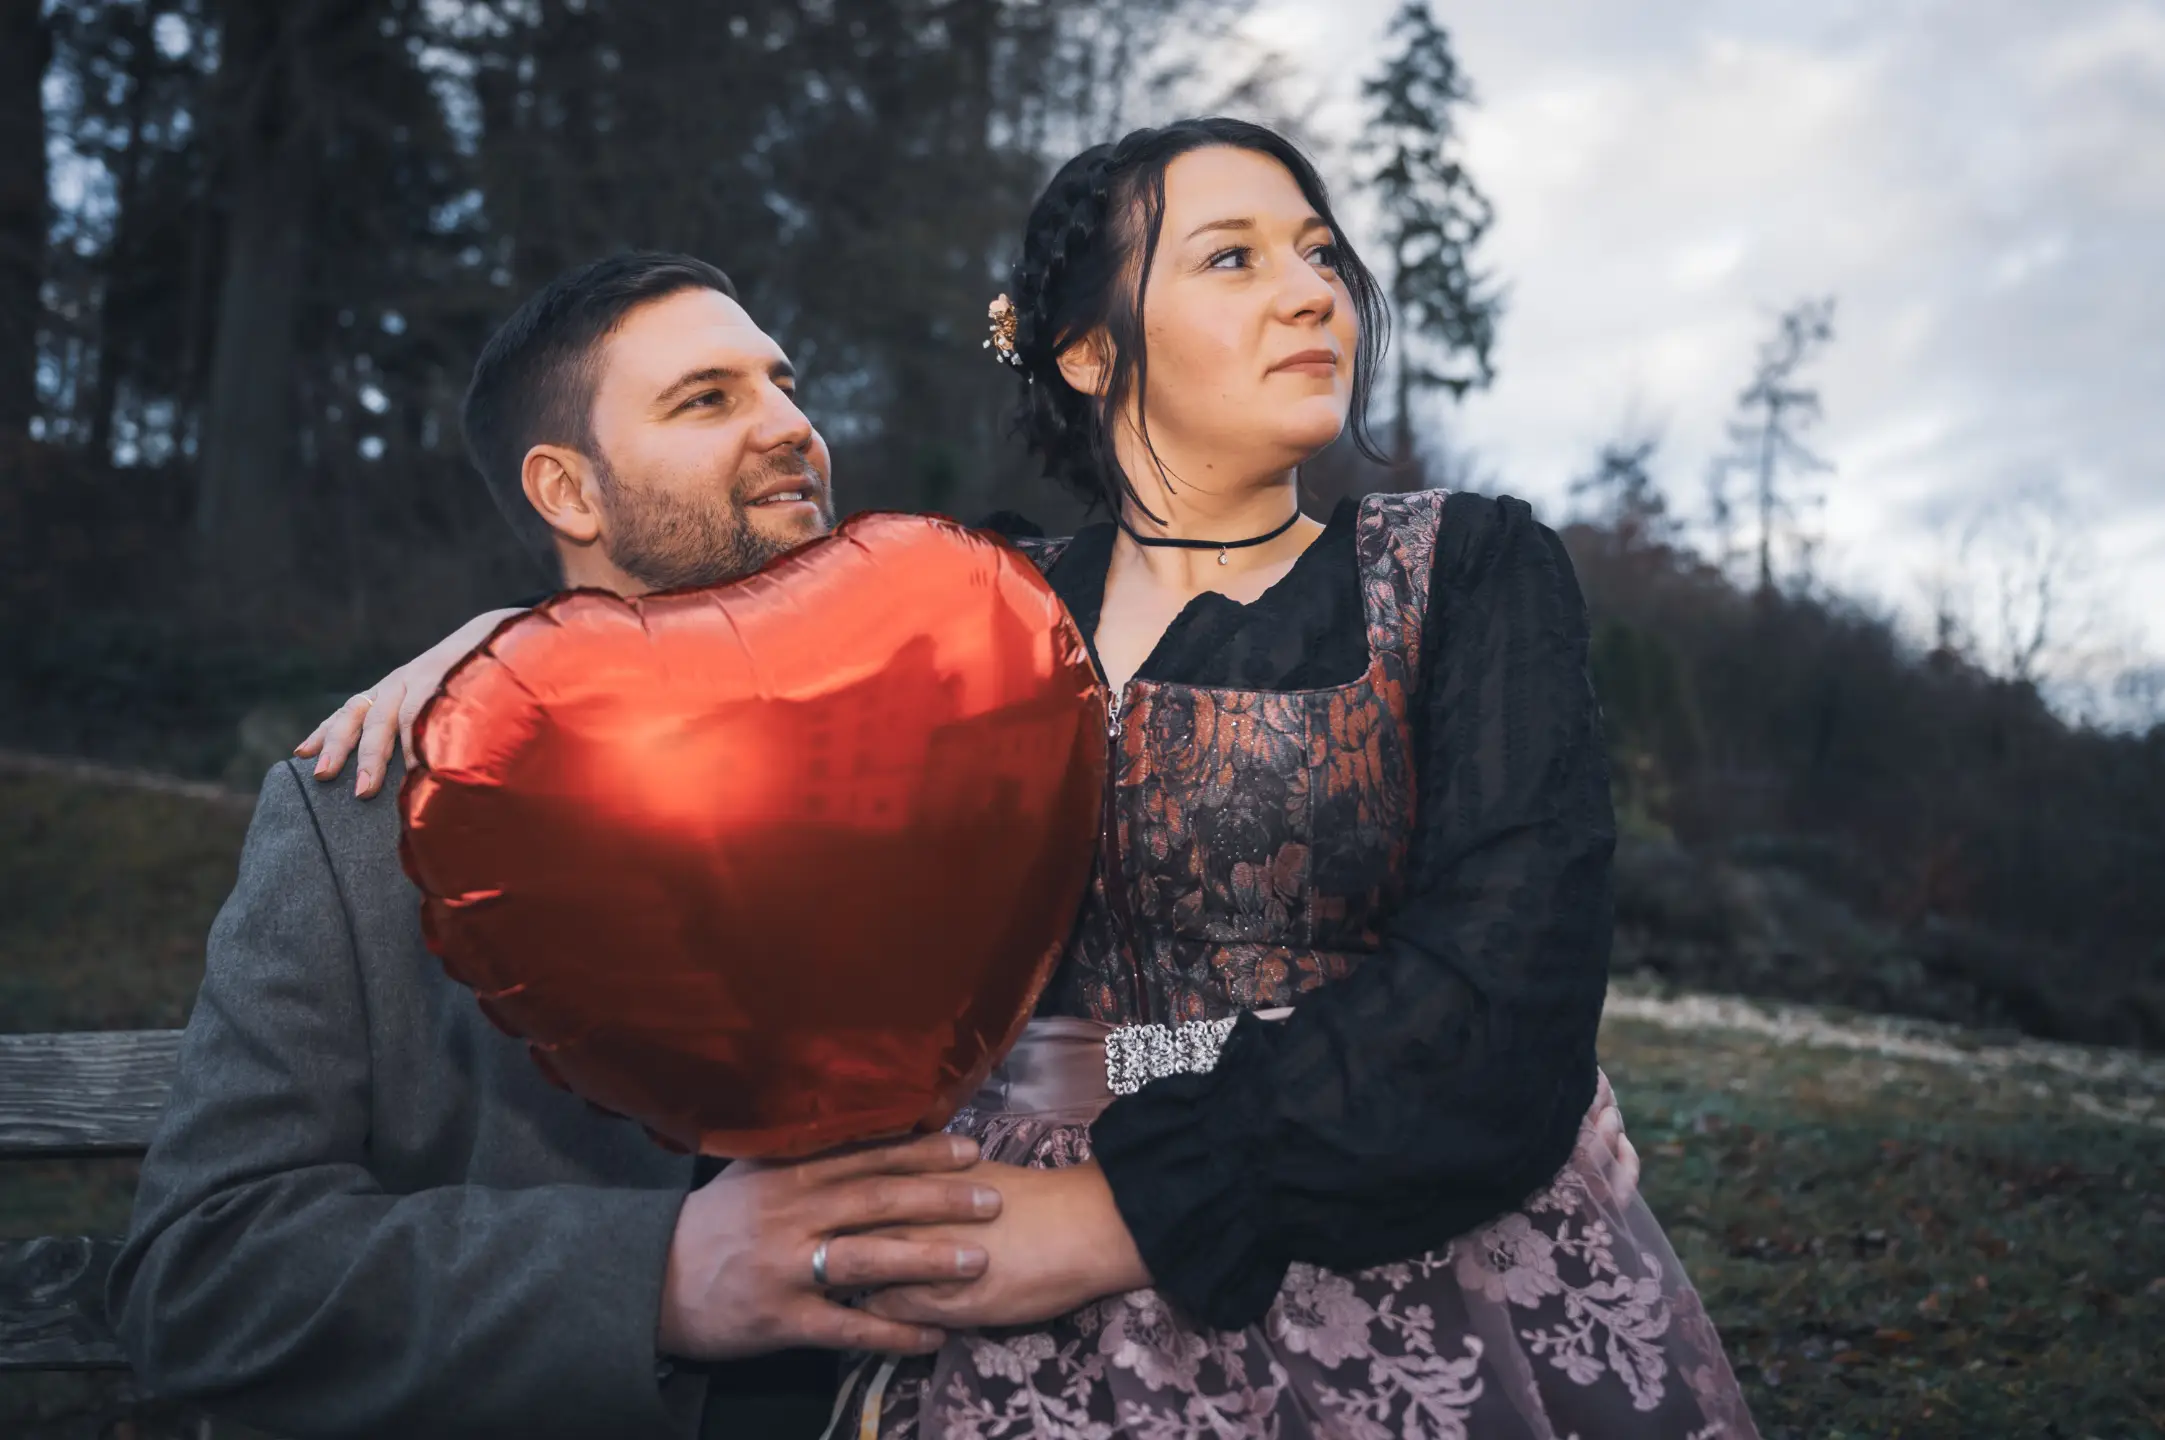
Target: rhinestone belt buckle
[(1135, 1055)]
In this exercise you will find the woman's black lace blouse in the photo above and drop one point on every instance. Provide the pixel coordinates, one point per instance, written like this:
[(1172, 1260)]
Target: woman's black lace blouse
[(1442, 1082)]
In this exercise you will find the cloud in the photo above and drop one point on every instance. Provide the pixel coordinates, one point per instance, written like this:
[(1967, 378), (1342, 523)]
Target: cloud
[(1982, 187)]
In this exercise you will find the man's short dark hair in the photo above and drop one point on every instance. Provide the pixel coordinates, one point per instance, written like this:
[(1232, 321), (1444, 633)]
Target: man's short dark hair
[(534, 383)]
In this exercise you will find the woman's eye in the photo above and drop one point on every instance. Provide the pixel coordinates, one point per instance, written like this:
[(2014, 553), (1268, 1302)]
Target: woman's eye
[(1237, 254), (1325, 255)]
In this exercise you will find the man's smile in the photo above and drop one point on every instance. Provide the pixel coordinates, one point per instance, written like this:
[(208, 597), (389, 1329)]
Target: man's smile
[(788, 497)]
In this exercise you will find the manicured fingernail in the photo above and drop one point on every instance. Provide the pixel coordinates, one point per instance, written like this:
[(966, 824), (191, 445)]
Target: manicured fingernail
[(969, 1260), (322, 770), (365, 779), (984, 1199)]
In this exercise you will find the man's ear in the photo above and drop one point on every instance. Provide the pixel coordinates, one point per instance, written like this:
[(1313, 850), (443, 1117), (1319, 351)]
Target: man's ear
[(1088, 363), (562, 487)]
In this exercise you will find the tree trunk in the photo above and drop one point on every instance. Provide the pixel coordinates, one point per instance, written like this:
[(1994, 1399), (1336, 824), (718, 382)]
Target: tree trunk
[(121, 254), (242, 516), (25, 48), (1766, 500), (1402, 420), (975, 26)]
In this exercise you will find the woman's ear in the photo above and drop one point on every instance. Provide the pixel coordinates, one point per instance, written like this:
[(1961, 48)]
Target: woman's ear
[(1088, 364), (561, 486)]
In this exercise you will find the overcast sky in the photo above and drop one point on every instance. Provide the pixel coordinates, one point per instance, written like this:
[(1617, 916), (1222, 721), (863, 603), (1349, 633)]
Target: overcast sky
[(1980, 184)]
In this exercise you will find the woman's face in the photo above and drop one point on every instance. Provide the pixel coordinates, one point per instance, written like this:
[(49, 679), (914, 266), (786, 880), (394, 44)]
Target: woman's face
[(1251, 332)]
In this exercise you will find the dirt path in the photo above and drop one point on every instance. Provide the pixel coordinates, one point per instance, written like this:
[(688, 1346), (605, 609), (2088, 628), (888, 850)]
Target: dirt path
[(2125, 1086)]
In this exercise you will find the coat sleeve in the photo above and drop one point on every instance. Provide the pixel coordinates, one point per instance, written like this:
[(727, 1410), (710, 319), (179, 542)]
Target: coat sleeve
[(268, 1275), (1444, 1080)]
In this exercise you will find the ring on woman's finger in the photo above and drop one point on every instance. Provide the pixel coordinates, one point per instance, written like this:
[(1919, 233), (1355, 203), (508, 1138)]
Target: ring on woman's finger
[(819, 1265)]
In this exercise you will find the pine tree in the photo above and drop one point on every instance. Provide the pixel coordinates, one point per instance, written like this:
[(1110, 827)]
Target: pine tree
[(1625, 495), (1772, 413), (1433, 216)]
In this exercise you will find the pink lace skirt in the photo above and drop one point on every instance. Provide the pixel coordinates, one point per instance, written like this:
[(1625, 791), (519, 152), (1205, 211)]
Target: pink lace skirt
[(1568, 1320)]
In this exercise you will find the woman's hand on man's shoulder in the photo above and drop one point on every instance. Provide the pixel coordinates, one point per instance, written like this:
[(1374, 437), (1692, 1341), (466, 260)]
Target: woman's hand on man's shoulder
[(364, 728)]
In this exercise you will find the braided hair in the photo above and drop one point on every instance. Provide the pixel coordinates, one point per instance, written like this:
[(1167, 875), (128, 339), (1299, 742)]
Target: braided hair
[(1096, 224)]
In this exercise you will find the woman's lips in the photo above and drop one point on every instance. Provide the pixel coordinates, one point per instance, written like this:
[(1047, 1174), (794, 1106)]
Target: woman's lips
[(1308, 362)]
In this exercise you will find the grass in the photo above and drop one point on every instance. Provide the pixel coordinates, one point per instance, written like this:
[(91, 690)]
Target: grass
[(1895, 1248), (105, 896), (1892, 1247)]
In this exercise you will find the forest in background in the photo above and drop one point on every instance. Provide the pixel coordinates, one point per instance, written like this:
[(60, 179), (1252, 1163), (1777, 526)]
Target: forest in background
[(252, 248), (248, 251)]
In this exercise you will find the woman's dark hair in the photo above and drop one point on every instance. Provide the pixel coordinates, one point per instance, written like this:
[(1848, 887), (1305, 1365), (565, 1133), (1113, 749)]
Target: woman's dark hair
[(1102, 211)]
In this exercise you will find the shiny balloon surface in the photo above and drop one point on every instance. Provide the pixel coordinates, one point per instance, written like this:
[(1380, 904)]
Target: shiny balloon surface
[(774, 865)]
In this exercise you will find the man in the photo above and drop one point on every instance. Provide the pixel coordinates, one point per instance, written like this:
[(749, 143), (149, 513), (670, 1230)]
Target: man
[(365, 1212)]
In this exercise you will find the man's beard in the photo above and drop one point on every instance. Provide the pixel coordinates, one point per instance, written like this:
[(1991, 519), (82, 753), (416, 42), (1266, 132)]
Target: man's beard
[(667, 543)]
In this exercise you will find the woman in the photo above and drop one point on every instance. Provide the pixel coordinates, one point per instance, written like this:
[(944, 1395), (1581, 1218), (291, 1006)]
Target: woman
[(1357, 787)]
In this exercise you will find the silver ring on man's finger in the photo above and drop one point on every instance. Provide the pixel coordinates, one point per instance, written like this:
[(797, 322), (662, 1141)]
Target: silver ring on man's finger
[(819, 1265)]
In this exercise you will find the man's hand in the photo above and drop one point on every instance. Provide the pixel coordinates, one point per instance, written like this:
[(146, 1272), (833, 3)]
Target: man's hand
[(1058, 1244), (740, 1265), (367, 725)]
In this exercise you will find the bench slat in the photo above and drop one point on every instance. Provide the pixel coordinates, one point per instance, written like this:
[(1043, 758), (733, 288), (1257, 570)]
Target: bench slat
[(52, 1305), (96, 1093)]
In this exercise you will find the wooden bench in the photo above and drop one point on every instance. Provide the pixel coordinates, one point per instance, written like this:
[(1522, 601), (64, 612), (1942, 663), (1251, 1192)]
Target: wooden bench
[(75, 1096)]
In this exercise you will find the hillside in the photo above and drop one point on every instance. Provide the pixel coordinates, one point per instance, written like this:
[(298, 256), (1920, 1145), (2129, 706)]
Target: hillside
[(1814, 809)]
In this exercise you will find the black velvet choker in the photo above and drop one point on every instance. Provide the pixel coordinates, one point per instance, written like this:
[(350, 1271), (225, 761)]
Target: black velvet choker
[(1221, 546)]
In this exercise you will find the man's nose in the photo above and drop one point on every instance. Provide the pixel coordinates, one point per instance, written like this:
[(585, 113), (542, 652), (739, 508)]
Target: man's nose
[(782, 425)]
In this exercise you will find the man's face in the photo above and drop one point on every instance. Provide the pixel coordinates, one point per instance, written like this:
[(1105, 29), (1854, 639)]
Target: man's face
[(708, 469)]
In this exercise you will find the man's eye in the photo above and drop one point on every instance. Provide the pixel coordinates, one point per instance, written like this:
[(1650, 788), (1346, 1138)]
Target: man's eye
[(705, 399), (1238, 254)]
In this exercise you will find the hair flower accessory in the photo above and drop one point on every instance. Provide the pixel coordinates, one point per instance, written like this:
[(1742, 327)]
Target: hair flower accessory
[(1001, 313)]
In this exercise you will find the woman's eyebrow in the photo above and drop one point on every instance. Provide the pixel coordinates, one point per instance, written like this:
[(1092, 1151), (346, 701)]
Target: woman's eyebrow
[(1241, 223)]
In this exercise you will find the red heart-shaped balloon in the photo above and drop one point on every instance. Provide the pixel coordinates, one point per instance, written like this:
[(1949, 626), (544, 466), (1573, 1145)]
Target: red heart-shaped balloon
[(773, 865)]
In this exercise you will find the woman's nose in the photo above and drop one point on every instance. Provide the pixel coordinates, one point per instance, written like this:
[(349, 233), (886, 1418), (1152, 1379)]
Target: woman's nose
[(1307, 293)]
